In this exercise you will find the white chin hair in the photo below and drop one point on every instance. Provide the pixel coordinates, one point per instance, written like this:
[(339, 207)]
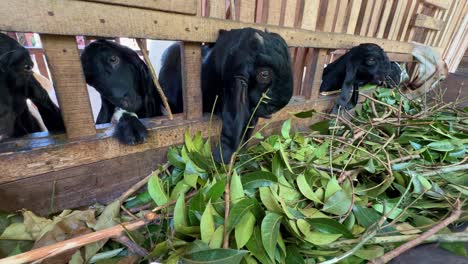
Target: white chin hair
[(118, 112)]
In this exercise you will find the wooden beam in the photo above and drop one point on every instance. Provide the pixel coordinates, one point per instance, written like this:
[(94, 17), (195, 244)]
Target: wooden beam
[(443, 4), (428, 22), (88, 18), (191, 81), (70, 85), (175, 6)]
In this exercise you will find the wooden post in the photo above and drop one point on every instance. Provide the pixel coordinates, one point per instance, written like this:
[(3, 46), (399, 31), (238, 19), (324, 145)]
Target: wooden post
[(191, 61), (309, 22), (70, 85)]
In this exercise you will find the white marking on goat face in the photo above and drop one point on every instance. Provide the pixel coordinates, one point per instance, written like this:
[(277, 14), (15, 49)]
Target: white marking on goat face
[(118, 112)]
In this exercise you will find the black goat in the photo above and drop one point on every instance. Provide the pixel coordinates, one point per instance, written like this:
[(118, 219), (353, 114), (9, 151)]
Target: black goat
[(240, 67), (17, 84), (363, 64), (126, 87)]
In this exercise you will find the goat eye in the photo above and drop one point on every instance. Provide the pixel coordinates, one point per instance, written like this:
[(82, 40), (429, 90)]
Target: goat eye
[(370, 61), (264, 76), (28, 67), (114, 60)]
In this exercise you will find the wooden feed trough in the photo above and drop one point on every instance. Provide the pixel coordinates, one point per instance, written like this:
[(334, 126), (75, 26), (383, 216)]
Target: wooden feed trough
[(49, 173)]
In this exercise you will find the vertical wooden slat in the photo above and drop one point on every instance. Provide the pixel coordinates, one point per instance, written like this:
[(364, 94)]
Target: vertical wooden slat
[(385, 17), (290, 13), (70, 85), (447, 13), (217, 8), (408, 17), (274, 12), (353, 16), (375, 17), (367, 17), (341, 16), (431, 34), (451, 24), (455, 27), (191, 80), (397, 20), (412, 31), (247, 11)]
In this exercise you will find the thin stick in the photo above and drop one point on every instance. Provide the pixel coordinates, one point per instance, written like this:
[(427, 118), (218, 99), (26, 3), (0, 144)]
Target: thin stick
[(140, 184), (444, 170), (379, 102), (155, 77), (412, 243), (132, 246), (227, 201), (405, 158), (454, 237)]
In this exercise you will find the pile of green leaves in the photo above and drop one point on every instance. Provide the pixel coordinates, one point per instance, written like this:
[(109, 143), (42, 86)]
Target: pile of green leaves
[(394, 169)]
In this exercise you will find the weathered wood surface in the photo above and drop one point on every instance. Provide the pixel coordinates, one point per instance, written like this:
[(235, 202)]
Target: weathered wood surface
[(176, 6), (70, 17), (191, 81), (428, 22), (20, 165), (67, 73)]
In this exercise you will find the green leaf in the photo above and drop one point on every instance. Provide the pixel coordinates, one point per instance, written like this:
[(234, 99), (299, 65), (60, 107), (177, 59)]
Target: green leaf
[(215, 256), (216, 191), (207, 226), (330, 226), (294, 256), (305, 114), (258, 179), (180, 188), (270, 231), (332, 187), (306, 190), (366, 216), (284, 156), (286, 128), (239, 210), (443, 145), (175, 159), (401, 166), (370, 167), (180, 214), (370, 253), (338, 204), (196, 207), (156, 190), (189, 142), (236, 189), (244, 230), (217, 237), (316, 238), (255, 246), (269, 201), (321, 127)]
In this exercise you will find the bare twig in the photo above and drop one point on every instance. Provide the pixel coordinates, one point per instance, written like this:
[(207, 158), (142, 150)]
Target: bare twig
[(412, 243), (140, 184), (155, 77), (453, 237), (379, 102), (405, 158), (132, 246), (227, 201)]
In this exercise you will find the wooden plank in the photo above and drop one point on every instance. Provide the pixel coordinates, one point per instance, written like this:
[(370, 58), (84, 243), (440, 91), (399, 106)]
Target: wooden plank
[(367, 17), (397, 20), (428, 22), (99, 182), (341, 17), (443, 4), (176, 6), (191, 80), (86, 18), (431, 34), (446, 17), (290, 13), (376, 12), (217, 9), (353, 17), (70, 85), (274, 12), (311, 10), (247, 11), (384, 20), (452, 24), (412, 29), (408, 16), (20, 165)]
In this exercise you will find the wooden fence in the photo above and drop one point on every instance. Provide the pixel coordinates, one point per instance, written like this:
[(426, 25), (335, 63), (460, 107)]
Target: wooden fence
[(49, 173)]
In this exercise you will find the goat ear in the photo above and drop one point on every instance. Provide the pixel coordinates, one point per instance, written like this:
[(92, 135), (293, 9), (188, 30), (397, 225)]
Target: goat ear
[(347, 98)]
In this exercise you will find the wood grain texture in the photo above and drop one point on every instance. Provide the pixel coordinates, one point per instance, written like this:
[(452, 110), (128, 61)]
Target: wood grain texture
[(274, 12), (428, 22), (385, 18), (353, 16), (247, 11), (444, 4), (376, 16), (217, 9), (176, 6), (70, 85), (87, 18), (191, 81), (397, 20)]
